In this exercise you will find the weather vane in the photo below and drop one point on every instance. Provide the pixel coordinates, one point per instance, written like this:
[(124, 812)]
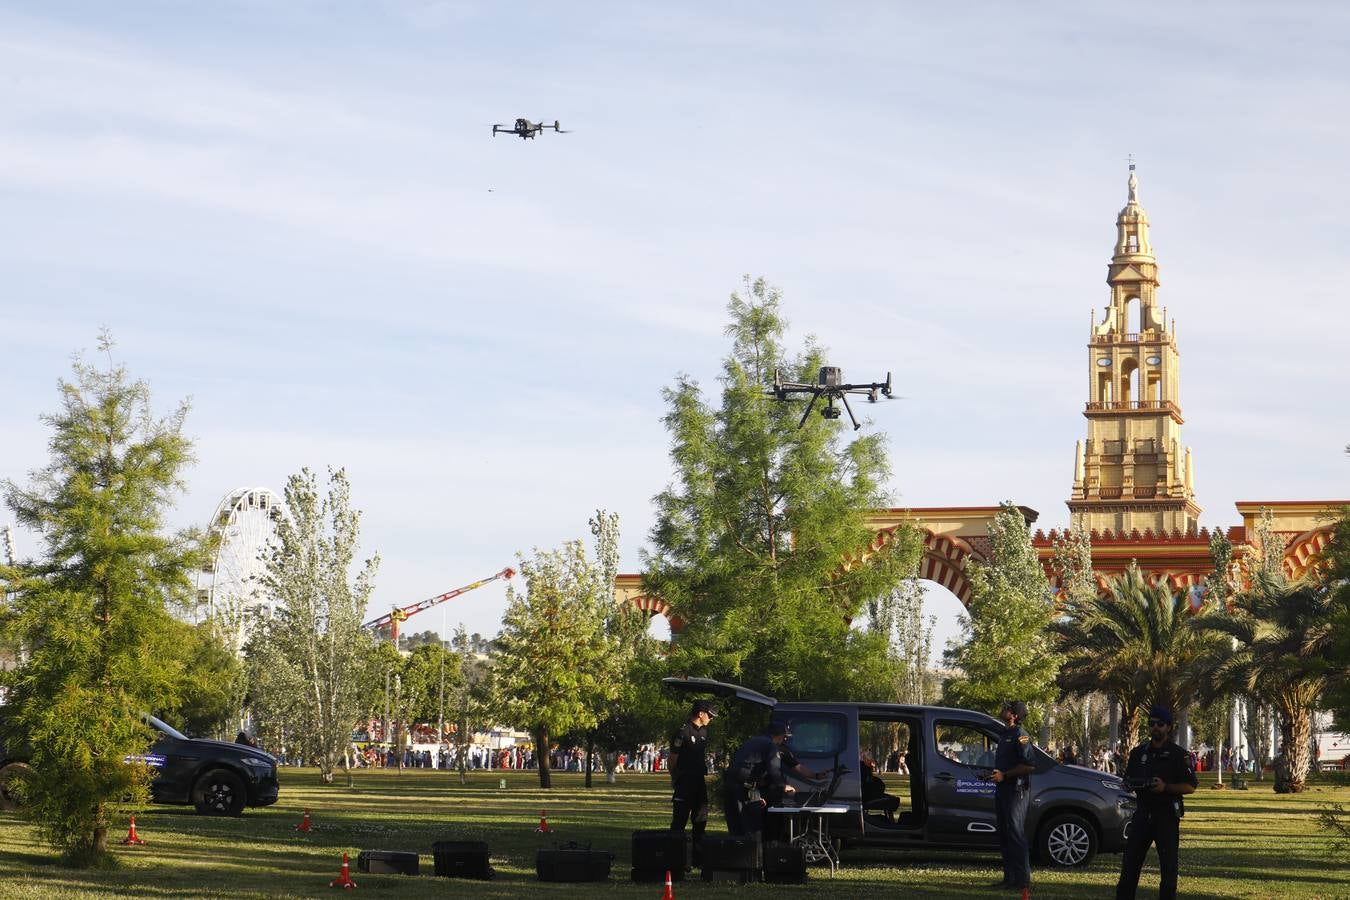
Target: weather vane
[(830, 385)]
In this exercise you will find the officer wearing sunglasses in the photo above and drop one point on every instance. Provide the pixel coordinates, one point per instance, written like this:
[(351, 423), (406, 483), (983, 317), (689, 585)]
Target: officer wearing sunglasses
[(1160, 773)]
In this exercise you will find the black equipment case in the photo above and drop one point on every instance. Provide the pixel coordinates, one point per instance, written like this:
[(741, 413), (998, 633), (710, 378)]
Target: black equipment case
[(461, 859), (731, 858), (573, 862), (784, 863), (387, 862), (657, 852)]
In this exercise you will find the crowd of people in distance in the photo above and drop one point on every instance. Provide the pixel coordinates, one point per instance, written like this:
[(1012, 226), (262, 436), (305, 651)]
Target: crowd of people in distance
[(1204, 758)]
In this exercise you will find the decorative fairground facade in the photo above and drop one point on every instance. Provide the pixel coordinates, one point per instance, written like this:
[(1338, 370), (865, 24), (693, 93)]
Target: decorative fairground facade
[(1133, 484)]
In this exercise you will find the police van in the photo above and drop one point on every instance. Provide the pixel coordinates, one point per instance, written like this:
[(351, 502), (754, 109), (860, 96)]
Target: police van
[(946, 801)]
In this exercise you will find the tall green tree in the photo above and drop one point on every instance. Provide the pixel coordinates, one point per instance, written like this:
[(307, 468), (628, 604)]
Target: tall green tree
[(209, 698), (315, 649), (94, 612), (1007, 651), (552, 674), (761, 545), (470, 698)]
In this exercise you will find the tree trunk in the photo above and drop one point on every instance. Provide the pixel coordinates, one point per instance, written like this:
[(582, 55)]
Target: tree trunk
[(1132, 729), (541, 753), (1296, 737), (590, 760)]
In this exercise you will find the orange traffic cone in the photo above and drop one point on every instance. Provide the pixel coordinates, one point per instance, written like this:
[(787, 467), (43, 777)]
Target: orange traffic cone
[(344, 879), (132, 837), (543, 824), (669, 893), (304, 823)]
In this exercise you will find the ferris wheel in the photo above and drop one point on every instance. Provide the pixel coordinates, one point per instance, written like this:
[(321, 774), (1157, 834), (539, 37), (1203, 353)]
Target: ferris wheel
[(229, 588)]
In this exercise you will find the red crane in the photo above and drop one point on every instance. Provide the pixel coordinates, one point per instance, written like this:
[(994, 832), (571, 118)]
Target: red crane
[(398, 614)]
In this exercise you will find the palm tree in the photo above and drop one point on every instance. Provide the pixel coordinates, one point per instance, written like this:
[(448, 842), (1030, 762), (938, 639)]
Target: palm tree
[(1282, 631), (1137, 645)]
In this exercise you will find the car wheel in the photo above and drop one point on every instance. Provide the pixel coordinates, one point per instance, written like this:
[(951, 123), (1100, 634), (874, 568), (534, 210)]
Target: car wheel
[(12, 779), (219, 793), (1068, 841)]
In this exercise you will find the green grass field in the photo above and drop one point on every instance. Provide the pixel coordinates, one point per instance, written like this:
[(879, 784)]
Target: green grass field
[(1234, 844)]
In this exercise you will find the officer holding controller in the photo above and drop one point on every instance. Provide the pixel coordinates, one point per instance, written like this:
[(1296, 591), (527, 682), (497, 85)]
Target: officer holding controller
[(1160, 773), (1012, 768)]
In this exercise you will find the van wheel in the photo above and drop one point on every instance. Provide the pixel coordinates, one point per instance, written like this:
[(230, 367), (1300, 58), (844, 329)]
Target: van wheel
[(219, 793), (13, 780), (1067, 841)]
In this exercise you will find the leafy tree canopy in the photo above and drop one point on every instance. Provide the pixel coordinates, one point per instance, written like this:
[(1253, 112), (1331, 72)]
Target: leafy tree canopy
[(759, 543), (1007, 651), (94, 612)]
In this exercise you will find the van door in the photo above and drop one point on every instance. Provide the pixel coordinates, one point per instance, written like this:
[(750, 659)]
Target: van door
[(825, 738), (960, 800)]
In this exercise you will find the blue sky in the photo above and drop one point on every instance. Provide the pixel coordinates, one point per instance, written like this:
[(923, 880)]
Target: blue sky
[(296, 215)]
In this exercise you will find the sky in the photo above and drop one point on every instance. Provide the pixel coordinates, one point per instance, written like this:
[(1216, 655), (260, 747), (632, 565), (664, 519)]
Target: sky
[(296, 216)]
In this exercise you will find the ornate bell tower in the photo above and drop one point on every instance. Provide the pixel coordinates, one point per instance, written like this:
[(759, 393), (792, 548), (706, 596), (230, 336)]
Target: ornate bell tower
[(1132, 471)]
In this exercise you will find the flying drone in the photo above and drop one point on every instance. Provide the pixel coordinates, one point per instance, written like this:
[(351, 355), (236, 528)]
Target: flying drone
[(526, 129), (830, 385)]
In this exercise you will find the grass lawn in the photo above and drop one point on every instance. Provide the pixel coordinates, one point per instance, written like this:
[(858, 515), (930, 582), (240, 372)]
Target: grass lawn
[(1234, 844)]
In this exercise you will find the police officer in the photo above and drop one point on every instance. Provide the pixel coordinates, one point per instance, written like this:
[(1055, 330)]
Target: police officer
[(1012, 784), (1163, 773), (688, 770), (755, 773)]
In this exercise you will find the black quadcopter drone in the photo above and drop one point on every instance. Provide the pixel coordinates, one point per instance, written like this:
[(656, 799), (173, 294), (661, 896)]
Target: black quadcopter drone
[(830, 385), (526, 129)]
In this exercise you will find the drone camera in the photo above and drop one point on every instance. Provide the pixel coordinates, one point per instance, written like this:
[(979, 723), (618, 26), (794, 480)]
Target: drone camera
[(831, 376), (830, 412)]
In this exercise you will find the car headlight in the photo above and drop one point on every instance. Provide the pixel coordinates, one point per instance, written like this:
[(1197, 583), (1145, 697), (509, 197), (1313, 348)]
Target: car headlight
[(1113, 784), (262, 766)]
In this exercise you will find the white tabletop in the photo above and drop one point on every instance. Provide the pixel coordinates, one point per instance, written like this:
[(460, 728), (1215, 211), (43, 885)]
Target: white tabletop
[(826, 810)]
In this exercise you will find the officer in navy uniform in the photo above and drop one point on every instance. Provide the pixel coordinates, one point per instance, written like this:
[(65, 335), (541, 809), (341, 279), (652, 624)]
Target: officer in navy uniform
[(1011, 777), (688, 764), (1166, 774), (756, 770)]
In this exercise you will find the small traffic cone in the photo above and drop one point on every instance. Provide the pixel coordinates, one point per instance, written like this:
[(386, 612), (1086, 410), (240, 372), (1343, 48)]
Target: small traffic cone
[(543, 824), (304, 823), (1026, 893), (344, 879), (132, 837), (669, 892)]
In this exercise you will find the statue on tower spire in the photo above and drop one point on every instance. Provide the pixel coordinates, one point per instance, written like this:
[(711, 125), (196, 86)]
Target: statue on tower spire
[(1134, 182)]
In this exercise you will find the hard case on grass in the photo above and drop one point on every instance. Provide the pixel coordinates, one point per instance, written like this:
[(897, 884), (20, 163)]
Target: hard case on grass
[(784, 863), (730, 852), (730, 858), (461, 859), (387, 862), (573, 862), (657, 852)]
